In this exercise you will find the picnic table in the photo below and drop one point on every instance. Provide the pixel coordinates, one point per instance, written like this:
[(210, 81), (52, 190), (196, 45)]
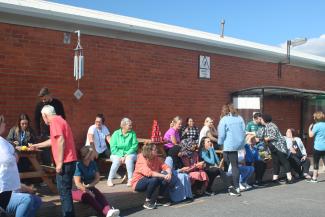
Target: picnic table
[(38, 171)]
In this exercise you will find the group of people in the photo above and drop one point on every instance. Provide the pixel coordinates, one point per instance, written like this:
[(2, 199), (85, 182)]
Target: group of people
[(189, 169)]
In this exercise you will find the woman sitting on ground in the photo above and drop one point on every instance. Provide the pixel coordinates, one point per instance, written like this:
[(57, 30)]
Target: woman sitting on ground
[(182, 189), (208, 130), (150, 174), (278, 147), (190, 158), (172, 136), (208, 154), (21, 135), (86, 177), (124, 146), (190, 130), (298, 155)]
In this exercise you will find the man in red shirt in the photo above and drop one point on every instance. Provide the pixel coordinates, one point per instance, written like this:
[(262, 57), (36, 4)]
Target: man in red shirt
[(64, 154)]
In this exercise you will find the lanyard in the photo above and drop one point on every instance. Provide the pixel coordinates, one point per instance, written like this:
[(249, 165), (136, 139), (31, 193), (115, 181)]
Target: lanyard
[(22, 136), (99, 138)]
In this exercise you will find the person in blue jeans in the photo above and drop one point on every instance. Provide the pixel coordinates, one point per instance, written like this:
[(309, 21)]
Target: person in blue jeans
[(252, 158), (24, 204)]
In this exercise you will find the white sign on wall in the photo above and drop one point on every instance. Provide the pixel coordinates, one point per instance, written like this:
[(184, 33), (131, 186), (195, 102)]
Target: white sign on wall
[(204, 67), (247, 102)]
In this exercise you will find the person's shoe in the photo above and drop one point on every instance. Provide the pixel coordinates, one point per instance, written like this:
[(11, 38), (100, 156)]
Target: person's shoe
[(148, 205), (210, 193), (163, 202), (275, 182), (110, 183), (247, 186), (113, 213), (242, 187), (234, 192), (289, 181), (129, 183), (312, 180)]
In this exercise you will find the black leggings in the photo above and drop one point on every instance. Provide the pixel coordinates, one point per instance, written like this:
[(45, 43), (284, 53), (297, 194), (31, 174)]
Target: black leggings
[(296, 164), (212, 173), (232, 158), (280, 159), (4, 199), (259, 167), (317, 155)]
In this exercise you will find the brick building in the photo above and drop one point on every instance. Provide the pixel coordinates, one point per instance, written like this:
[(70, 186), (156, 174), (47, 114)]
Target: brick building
[(143, 70)]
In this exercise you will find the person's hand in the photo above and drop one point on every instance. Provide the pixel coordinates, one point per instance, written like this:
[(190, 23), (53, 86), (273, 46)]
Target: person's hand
[(122, 160), (16, 143), (184, 169), (293, 151), (32, 147), (58, 167), (96, 154), (168, 177), (303, 158)]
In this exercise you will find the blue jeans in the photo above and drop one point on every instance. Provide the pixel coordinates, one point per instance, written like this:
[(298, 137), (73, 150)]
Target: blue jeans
[(129, 162), (245, 173), (23, 204), (64, 185), (150, 184)]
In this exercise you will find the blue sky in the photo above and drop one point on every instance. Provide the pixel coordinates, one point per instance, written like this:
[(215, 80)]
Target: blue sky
[(267, 22)]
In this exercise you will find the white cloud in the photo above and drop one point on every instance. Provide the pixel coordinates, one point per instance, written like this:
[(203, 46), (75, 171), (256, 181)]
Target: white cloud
[(314, 46)]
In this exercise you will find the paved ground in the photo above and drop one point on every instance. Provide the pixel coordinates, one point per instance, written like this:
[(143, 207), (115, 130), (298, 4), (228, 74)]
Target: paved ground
[(300, 199)]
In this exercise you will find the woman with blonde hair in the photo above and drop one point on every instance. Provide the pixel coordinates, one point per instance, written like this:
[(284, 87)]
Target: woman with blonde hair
[(172, 136), (317, 130), (208, 130)]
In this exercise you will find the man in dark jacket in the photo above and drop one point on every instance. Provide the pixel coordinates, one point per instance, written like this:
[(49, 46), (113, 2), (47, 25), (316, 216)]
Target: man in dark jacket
[(42, 130)]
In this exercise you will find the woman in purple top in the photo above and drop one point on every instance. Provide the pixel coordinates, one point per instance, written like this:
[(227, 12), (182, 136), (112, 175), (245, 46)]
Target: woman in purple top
[(172, 136)]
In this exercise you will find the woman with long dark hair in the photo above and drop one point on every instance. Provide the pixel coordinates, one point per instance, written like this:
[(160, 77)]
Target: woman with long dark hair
[(278, 147), (21, 135)]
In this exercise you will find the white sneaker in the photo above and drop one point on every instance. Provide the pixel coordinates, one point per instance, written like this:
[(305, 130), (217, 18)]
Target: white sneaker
[(110, 183), (248, 186), (242, 186), (113, 213), (129, 183)]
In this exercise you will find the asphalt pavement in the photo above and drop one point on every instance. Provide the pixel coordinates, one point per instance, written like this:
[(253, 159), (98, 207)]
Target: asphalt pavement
[(301, 199)]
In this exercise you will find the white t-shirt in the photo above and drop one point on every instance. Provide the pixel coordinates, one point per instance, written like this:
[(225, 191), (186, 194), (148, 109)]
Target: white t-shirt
[(204, 132), (99, 137), (9, 176)]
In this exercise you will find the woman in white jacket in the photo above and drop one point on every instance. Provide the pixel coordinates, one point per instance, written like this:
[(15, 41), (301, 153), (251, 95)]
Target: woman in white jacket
[(9, 176), (298, 155)]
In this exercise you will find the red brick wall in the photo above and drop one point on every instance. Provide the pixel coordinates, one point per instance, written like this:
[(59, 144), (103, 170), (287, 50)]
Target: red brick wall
[(125, 78)]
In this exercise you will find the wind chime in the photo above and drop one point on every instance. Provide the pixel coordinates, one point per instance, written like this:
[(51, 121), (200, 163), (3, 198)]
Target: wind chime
[(78, 67)]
